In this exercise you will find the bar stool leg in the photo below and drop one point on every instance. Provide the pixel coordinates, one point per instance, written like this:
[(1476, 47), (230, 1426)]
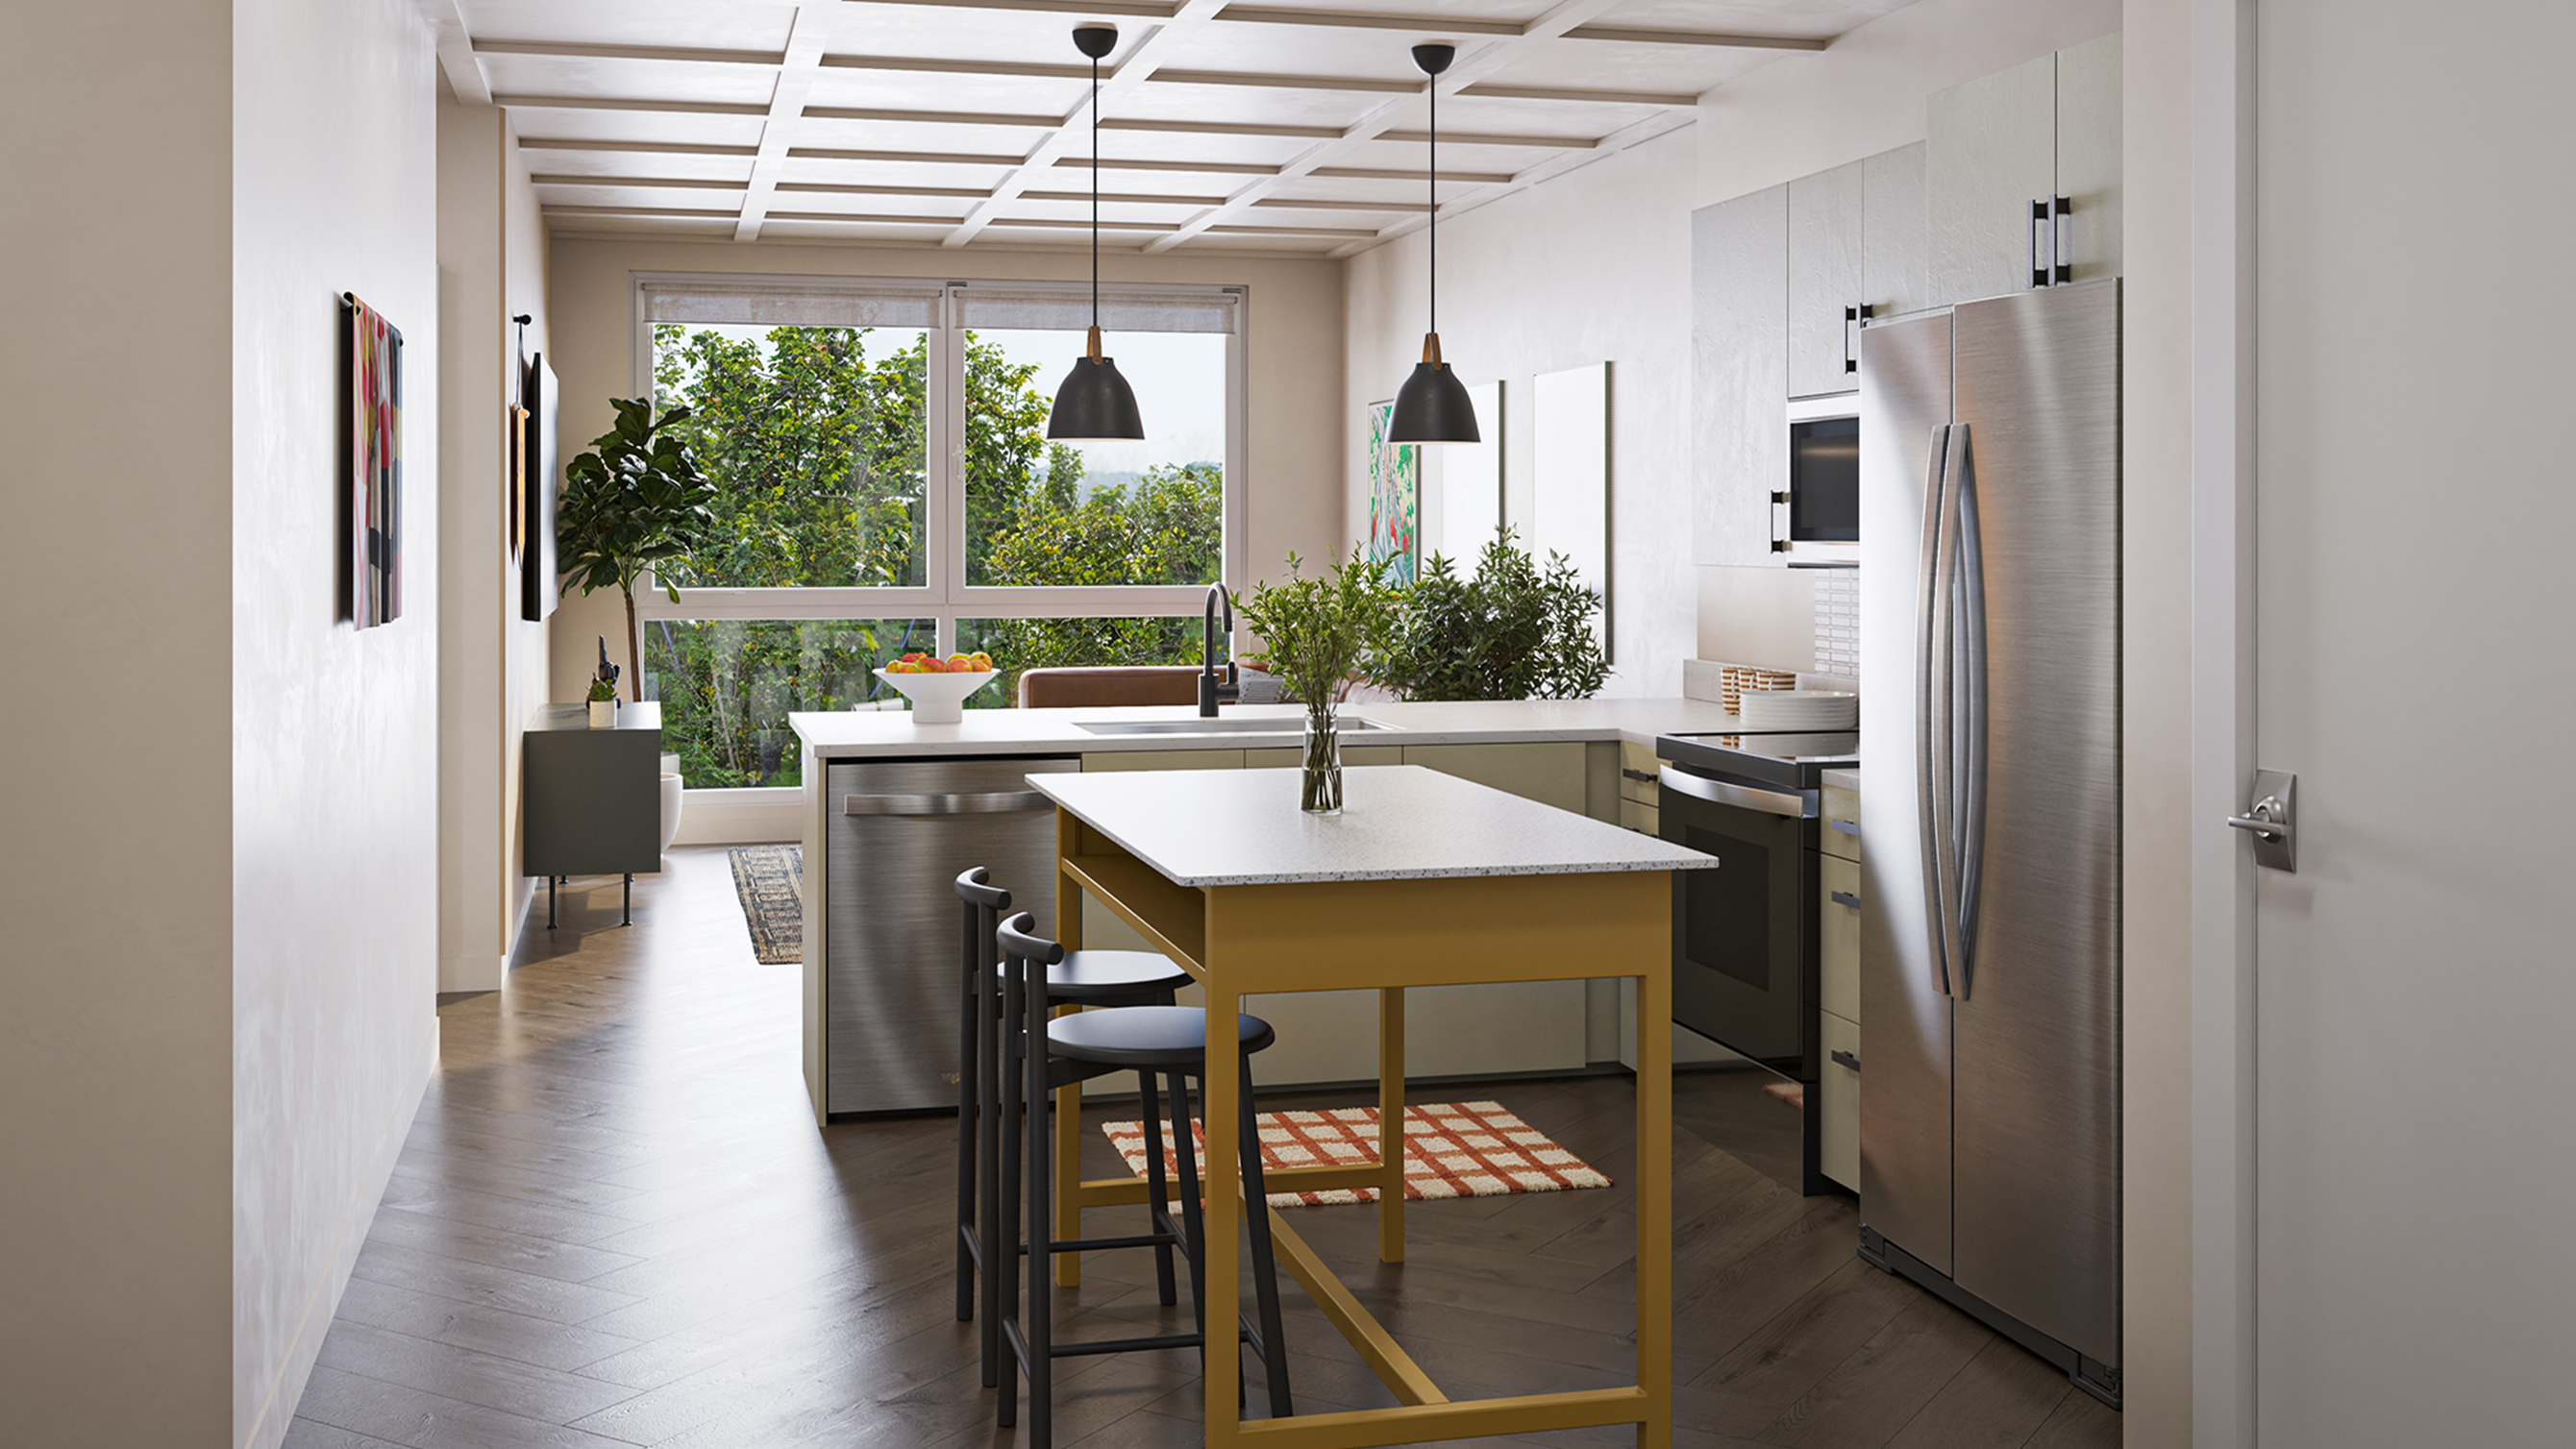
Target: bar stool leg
[(1265, 1272), (1186, 1150), (1006, 1249), (1157, 1196), (1037, 1325), (990, 1094), (969, 1125)]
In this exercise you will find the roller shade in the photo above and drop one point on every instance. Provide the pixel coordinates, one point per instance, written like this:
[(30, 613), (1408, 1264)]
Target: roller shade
[(791, 302), (1003, 307)]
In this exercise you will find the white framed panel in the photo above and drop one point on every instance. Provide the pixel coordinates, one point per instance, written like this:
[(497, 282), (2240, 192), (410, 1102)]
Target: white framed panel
[(1570, 453)]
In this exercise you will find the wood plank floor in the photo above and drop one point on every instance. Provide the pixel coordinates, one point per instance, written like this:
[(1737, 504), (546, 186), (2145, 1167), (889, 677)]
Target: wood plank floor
[(616, 1225)]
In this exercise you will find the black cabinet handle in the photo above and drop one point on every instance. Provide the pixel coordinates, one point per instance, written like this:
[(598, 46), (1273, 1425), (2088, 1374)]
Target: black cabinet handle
[(2063, 248), (1846, 898), (1646, 777), (2043, 239), (1851, 344), (1846, 1059), (1847, 827)]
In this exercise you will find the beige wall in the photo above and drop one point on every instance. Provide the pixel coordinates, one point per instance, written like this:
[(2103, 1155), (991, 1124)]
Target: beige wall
[(492, 664), (1294, 372), (2156, 737), (115, 877), (334, 834)]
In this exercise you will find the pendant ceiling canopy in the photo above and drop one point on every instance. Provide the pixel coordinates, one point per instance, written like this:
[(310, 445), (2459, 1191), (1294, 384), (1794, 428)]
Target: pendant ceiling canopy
[(1432, 406), (1095, 403)]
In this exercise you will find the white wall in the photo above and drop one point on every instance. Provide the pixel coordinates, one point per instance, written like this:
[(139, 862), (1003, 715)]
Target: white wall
[(334, 837), (1294, 372), (492, 249), (1592, 266), (115, 875), (1596, 264)]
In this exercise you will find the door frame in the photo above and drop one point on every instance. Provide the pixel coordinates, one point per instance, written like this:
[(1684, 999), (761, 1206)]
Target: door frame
[(2223, 945)]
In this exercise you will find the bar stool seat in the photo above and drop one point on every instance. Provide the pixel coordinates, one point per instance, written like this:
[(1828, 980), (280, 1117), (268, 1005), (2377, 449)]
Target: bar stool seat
[(1162, 1037), (1112, 978)]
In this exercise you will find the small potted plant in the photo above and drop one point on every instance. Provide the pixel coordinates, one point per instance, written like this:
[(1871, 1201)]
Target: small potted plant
[(1319, 633), (603, 691)]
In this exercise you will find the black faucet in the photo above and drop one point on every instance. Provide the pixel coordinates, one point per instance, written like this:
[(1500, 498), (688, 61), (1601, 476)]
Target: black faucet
[(1210, 691)]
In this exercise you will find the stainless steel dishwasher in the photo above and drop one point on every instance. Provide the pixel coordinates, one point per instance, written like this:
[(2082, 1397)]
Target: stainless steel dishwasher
[(900, 832)]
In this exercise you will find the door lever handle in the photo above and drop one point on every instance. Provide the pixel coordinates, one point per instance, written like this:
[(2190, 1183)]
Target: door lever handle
[(2273, 820)]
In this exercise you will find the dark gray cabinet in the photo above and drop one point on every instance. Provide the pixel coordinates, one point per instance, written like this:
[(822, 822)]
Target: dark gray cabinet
[(592, 798)]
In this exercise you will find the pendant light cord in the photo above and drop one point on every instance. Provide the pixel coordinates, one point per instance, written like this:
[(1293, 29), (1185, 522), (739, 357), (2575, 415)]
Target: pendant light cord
[(1095, 192), (1431, 208)]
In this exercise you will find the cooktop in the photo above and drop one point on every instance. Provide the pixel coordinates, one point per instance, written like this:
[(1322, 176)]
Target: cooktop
[(1790, 761)]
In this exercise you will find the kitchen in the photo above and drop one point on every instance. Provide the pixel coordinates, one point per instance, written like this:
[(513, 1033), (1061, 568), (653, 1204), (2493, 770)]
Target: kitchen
[(587, 1198)]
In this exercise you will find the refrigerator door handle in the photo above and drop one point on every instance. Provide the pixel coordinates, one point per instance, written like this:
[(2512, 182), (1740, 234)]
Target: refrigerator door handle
[(1931, 647), (1968, 804)]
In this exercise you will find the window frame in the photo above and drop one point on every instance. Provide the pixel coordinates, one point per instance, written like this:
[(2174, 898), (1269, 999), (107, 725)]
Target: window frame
[(944, 596)]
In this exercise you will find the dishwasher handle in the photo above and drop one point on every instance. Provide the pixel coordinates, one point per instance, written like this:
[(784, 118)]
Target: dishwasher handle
[(994, 802)]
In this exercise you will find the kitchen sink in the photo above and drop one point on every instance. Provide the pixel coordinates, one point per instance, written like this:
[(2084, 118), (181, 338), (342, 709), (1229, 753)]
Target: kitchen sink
[(1347, 724)]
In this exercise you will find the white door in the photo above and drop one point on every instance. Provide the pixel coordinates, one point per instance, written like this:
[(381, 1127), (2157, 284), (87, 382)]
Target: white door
[(2414, 663)]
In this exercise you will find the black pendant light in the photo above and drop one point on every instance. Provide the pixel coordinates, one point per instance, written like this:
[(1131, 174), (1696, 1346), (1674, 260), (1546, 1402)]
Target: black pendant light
[(1095, 403), (1432, 406)]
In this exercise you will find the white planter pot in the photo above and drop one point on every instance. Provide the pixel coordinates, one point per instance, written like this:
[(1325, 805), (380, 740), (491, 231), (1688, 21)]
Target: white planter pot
[(603, 714), (672, 800)]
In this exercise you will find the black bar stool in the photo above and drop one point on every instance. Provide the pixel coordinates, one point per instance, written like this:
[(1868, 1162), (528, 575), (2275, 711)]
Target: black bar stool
[(1172, 1041), (1087, 978)]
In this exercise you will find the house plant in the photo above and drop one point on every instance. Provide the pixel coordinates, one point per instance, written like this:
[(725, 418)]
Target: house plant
[(634, 500), (1513, 631), (1319, 632)]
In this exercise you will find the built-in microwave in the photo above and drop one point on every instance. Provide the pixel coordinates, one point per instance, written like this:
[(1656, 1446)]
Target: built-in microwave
[(1815, 517)]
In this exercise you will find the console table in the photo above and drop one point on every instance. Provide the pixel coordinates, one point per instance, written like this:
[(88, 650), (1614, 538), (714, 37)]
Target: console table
[(592, 798)]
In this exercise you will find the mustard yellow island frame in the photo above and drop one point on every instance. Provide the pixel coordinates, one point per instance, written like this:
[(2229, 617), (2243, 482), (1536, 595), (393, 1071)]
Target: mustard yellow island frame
[(1387, 935)]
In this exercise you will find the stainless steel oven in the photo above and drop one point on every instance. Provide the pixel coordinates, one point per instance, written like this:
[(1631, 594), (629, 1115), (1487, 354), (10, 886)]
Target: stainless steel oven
[(1744, 937)]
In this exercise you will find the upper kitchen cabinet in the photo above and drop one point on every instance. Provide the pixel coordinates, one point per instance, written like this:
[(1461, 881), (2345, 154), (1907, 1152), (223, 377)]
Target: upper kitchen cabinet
[(1739, 373), (2088, 154), (1895, 262), (1996, 145), (1826, 213)]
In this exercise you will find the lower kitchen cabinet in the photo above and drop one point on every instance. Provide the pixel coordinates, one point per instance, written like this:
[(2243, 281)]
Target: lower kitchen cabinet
[(1837, 1103), (1548, 771), (1837, 1089)]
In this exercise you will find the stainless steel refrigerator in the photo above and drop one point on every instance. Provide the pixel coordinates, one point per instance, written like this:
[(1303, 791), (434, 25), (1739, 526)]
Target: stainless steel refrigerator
[(1990, 844)]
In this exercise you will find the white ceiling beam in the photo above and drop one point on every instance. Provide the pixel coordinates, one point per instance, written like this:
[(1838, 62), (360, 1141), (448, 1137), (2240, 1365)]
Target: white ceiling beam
[(1220, 128), (456, 52), (933, 158), (1484, 138), (1699, 37), (677, 183), (604, 103), (1665, 99), (930, 118), (1470, 67), (640, 148), (1612, 144), (1142, 59), (913, 64), (796, 71), (1442, 25), (1286, 82), (1372, 173), (568, 51), (1221, 168)]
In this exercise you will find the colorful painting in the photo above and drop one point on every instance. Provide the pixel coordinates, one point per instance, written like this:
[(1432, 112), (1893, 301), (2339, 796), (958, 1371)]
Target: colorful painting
[(371, 372), (1395, 496)]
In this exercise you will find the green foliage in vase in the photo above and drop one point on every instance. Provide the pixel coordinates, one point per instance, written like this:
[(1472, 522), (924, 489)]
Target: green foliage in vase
[(1513, 631), (1319, 632), (636, 500)]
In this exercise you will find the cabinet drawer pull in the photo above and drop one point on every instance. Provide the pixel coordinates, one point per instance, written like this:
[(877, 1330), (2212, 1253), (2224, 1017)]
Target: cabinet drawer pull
[(1847, 827), (2064, 239), (1643, 777), (1846, 898), (1846, 1059)]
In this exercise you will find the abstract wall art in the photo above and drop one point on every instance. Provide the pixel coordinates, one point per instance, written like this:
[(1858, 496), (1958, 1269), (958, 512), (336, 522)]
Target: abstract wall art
[(1395, 497), (371, 492)]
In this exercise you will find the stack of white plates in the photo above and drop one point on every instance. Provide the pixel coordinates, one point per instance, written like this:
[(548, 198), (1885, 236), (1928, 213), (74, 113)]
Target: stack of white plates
[(1800, 709)]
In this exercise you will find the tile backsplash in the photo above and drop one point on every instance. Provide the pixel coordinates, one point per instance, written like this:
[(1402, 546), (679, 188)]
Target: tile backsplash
[(1838, 621)]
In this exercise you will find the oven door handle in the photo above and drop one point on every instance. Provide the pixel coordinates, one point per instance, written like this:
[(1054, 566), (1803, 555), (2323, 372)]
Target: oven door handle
[(1795, 804)]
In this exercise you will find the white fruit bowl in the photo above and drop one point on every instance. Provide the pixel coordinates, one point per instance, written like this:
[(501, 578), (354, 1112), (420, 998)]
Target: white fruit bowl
[(939, 698)]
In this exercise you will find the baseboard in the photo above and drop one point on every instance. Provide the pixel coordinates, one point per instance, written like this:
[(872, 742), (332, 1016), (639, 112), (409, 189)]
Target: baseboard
[(741, 817), (267, 1426)]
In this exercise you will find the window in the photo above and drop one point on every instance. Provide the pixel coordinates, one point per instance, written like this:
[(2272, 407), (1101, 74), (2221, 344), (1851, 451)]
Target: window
[(884, 483)]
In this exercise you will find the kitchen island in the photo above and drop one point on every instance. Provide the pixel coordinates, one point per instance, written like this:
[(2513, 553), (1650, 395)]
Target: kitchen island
[(1567, 753), (1422, 880)]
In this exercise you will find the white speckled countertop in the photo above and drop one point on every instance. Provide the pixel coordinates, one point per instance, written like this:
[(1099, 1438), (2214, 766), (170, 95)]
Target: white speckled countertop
[(1398, 822), (891, 734)]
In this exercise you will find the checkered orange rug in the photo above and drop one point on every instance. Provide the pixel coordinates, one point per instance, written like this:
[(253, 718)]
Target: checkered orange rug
[(1451, 1149)]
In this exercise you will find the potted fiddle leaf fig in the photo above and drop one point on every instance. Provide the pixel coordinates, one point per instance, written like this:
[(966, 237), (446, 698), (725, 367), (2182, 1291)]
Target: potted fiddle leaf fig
[(636, 499), (1318, 633)]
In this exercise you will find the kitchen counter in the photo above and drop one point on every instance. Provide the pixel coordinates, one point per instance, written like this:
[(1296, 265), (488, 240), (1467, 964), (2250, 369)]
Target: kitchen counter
[(1399, 822), (891, 734)]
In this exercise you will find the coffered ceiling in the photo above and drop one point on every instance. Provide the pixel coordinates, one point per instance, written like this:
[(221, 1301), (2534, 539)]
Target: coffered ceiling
[(1282, 125)]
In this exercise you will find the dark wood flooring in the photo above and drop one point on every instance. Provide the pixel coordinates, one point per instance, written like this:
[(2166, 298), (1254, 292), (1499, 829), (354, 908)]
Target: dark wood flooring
[(615, 1224)]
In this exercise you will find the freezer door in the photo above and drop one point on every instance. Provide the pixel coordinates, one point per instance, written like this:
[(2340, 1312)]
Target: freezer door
[(2037, 1016), (900, 833), (1905, 1019)]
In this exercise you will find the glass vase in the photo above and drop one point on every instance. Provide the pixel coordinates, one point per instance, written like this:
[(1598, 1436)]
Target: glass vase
[(1320, 774)]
